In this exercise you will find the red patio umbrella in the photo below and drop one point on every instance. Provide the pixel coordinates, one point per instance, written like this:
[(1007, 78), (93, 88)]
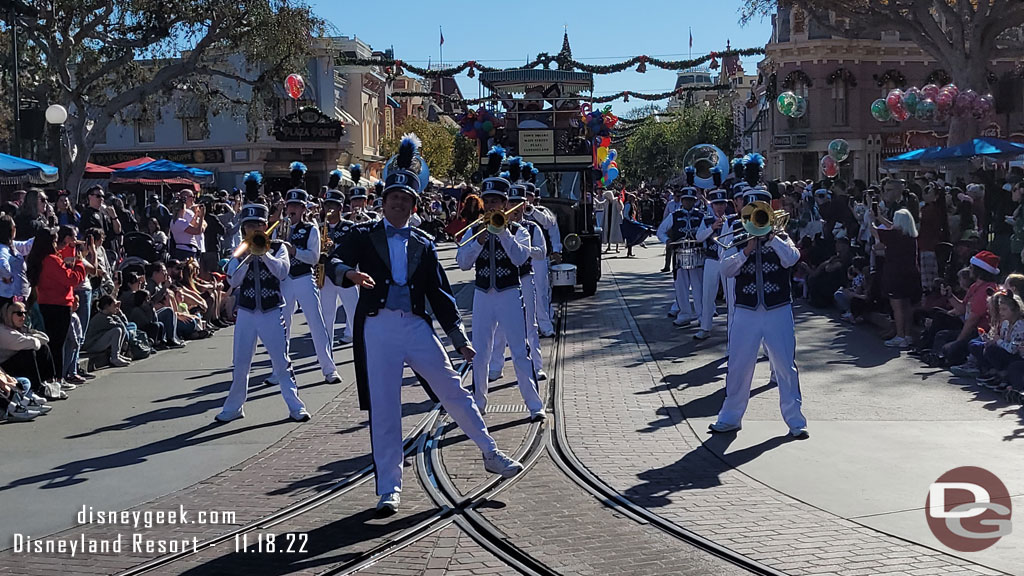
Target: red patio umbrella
[(131, 163), (97, 171)]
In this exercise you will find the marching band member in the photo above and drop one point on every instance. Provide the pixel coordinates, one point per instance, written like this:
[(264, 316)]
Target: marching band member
[(398, 271), (553, 245), (298, 286), (678, 227), (331, 293), (710, 229), (498, 300), (764, 309), (538, 253), (357, 198), (260, 314)]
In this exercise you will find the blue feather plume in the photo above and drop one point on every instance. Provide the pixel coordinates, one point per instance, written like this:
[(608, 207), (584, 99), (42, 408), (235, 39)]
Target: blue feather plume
[(515, 168), (297, 166), (356, 170), (254, 176), (407, 150), (753, 166), (716, 176), (737, 167), (495, 156)]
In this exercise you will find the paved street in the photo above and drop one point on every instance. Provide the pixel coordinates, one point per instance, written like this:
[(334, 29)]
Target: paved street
[(631, 399)]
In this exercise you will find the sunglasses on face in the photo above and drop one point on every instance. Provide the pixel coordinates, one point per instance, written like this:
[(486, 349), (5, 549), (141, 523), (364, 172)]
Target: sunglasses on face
[(20, 313)]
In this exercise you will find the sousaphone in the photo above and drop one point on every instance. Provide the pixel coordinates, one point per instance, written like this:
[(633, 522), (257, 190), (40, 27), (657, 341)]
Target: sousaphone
[(704, 157)]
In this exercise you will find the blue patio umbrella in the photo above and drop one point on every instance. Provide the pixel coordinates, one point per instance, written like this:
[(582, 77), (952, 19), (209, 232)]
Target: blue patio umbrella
[(163, 170), (14, 170), (912, 157), (988, 147)]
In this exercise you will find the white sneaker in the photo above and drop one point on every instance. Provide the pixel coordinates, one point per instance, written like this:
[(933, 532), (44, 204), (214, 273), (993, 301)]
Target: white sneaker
[(702, 335), (897, 342), (300, 416), (225, 417), (332, 378), (33, 404), (538, 415), (494, 376), (67, 386), (720, 427), (389, 503), (498, 463), (18, 413), (682, 322), (799, 433), (541, 375), (119, 362)]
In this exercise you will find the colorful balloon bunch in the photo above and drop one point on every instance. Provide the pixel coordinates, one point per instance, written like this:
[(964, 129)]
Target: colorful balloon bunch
[(478, 124), (838, 151), (606, 158), (932, 103), (792, 105), (294, 86), (598, 122)]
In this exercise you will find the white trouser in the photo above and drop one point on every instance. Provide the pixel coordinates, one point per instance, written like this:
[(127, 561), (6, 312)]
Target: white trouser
[(493, 310), (712, 279), (687, 282), (304, 291), (269, 327), (329, 297), (542, 279), (393, 339), (500, 341), (774, 329)]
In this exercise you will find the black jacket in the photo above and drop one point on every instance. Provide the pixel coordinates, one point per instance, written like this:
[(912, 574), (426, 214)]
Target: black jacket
[(366, 248)]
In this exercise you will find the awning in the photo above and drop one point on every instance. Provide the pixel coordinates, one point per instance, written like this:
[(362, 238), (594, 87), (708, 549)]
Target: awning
[(345, 116), (97, 171), (393, 103), (163, 171), (14, 170), (132, 163)]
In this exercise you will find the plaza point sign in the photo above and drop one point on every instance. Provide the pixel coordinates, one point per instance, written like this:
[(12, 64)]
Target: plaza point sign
[(309, 124)]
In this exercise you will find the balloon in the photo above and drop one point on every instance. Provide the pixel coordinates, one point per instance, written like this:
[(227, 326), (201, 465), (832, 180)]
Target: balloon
[(894, 100), (488, 126), (612, 155), (944, 101), (786, 103), (295, 86), (901, 114), (602, 154), (829, 166), (839, 149), (911, 98), (880, 111), (925, 110), (800, 109), (983, 107), (952, 89), (930, 91), (964, 104), (613, 173)]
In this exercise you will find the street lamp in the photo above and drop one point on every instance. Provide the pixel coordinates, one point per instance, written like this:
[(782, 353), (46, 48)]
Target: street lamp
[(57, 115)]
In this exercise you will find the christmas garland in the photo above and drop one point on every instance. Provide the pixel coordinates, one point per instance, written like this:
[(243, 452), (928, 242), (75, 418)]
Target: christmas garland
[(394, 67), (894, 76), (842, 74), (625, 95), (796, 76)]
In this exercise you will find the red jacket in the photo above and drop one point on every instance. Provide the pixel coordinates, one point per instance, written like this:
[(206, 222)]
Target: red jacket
[(57, 282)]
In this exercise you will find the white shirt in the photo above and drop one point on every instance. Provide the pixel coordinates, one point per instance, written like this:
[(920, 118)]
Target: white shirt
[(398, 250)]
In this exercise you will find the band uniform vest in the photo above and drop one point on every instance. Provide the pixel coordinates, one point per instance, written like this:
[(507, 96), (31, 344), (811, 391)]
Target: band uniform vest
[(494, 265), (685, 224), (762, 280), (710, 246), (260, 289), (300, 239), (527, 267)]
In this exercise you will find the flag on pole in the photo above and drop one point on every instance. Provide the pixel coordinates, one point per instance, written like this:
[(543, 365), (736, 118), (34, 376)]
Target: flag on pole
[(691, 38), (442, 37)]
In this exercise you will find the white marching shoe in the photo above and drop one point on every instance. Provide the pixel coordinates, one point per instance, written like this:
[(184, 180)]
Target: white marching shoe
[(499, 463), (389, 503)]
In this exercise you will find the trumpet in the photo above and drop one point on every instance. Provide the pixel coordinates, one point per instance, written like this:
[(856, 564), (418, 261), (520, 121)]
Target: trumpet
[(257, 243), (758, 220), (496, 221)]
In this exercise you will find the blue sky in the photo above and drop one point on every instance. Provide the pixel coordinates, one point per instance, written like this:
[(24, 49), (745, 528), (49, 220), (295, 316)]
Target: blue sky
[(600, 32)]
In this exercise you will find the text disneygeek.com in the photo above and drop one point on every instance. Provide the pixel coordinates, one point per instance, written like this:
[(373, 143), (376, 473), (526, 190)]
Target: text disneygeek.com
[(129, 541)]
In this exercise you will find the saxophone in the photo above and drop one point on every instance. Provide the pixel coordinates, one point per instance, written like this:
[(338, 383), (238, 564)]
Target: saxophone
[(326, 244)]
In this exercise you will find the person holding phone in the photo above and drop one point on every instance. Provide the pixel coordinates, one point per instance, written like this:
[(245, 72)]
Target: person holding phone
[(55, 276)]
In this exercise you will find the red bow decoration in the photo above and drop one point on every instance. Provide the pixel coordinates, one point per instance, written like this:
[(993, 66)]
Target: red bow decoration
[(643, 65)]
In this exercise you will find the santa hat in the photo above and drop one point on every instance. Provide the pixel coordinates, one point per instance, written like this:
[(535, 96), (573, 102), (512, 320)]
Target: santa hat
[(987, 261)]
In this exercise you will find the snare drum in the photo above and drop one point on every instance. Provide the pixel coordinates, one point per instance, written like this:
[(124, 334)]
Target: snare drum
[(563, 275), (689, 256)]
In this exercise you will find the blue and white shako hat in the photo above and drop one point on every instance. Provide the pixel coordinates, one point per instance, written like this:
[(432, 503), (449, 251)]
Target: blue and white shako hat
[(717, 196), (755, 193), (517, 192), (297, 196), (496, 186), (531, 189), (406, 171), (334, 196), (688, 192), (255, 213), (357, 193)]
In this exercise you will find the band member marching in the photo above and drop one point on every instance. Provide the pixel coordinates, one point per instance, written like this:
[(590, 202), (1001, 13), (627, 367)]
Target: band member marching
[(331, 293), (398, 271), (680, 230), (498, 300), (553, 245), (538, 252), (298, 286), (357, 198), (710, 229), (764, 309), (257, 276)]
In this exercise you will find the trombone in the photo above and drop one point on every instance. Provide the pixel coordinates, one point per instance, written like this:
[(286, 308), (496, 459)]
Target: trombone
[(496, 220), (257, 243), (758, 220)]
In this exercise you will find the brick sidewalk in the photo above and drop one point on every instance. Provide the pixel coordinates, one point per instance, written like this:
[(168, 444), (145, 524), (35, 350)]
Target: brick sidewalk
[(614, 405)]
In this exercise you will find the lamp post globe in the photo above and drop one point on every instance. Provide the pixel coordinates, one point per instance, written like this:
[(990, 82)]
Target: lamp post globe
[(56, 114)]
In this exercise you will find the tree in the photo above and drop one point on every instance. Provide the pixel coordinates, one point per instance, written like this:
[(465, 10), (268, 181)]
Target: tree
[(654, 150), (101, 58), (963, 36), (438, 144), (466, 160)]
